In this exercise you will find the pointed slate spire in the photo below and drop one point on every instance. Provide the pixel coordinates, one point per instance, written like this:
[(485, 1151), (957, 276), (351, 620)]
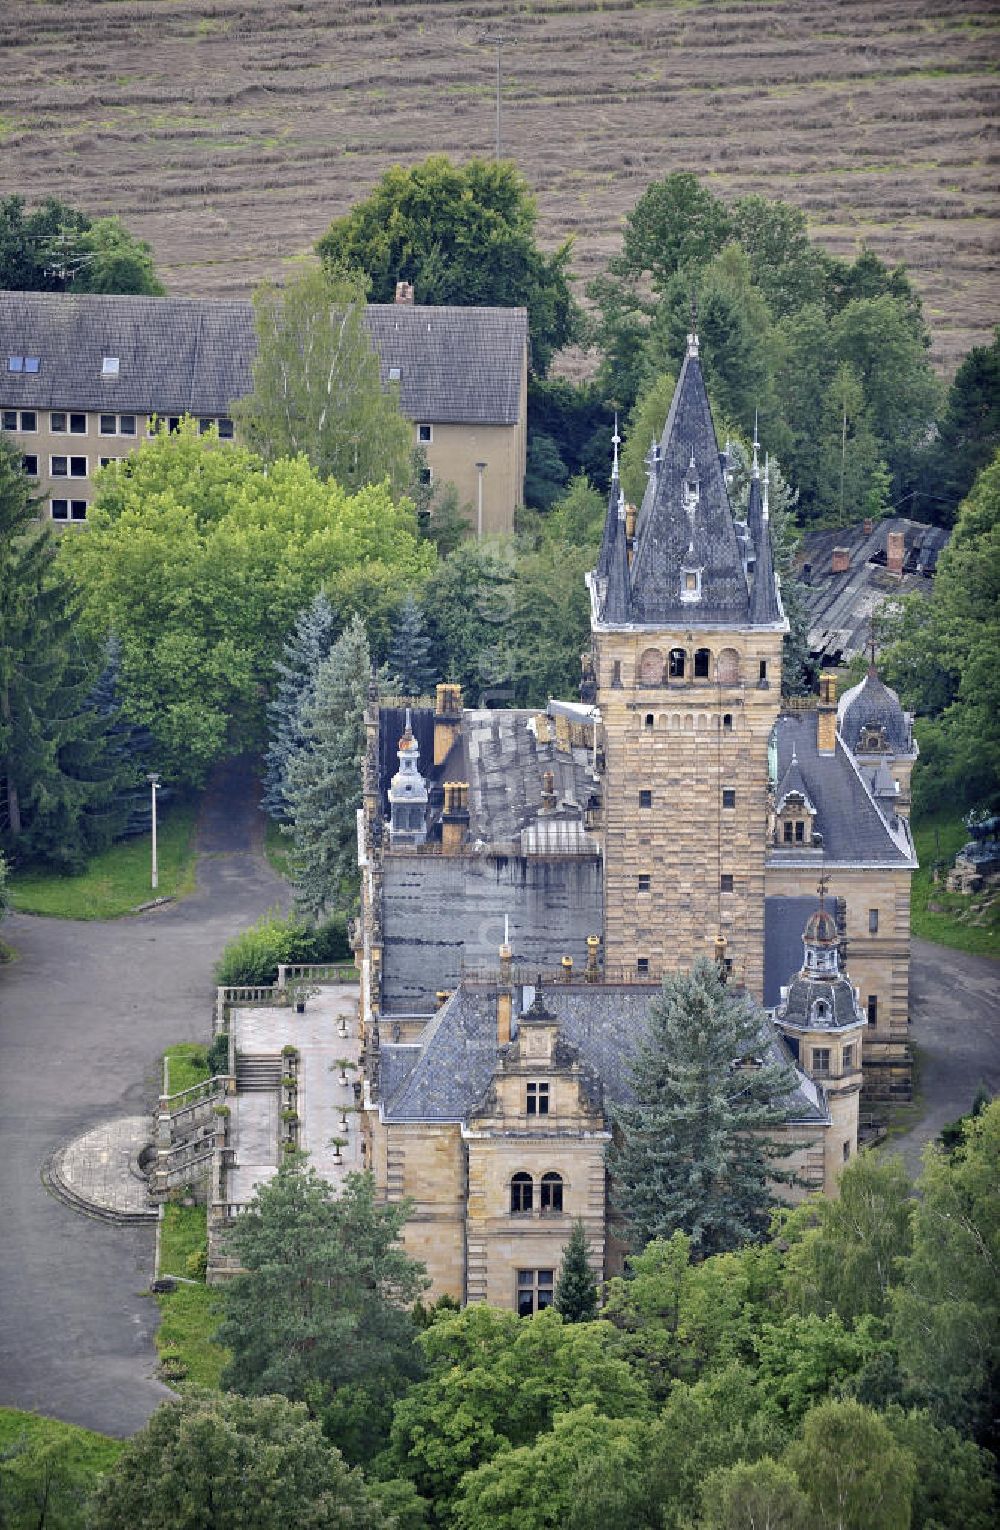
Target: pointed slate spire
[(611, 518), (764, 605), (755, 469), (617, 602)]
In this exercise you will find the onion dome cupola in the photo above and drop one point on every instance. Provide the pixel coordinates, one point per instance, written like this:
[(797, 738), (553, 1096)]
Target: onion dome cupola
[(408, 794), (871, 720), (820, 996)]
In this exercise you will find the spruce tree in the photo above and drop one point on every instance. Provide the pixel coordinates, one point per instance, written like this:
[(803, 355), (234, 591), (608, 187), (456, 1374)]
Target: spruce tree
[(695, 1152), (576, 1288), (410, 662), (56, 779), (307, 646), (323, 785)]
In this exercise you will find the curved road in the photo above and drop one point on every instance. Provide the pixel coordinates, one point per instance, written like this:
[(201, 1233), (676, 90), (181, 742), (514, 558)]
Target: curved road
[(84, 1014)]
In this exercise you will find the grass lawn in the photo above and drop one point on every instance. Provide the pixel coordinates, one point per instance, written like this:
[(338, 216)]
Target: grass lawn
[(92, 1453), (954, 920), (187, 1065), (189, 1315), (117, 880), (278, 849)]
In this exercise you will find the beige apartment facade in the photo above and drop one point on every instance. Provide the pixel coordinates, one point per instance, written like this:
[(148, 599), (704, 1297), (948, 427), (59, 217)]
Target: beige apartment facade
[(83, 377)]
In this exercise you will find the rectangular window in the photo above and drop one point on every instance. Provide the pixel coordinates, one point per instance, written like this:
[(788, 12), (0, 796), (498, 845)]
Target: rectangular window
[(847, 1152), (15, 363), (174, 422), (226, 430), (425, 434), (57, 422), (762, 670), (643, 882), (29, 420), (426, 475), (726, 882), (78, 467), (645, 799), (109, 425), (873, 1009), (78, 424), (106, 460), (800, 832), (821, 1062), (728, 797), (78, 509), (29, 463), (60, 509), (31, 363), (58, 467), (848, 1059), (204, 426), (787, 833), (394, 374), (126, 424), (9, 419), (873, 921), (538, 1100), (535, 1290), (642, 966)]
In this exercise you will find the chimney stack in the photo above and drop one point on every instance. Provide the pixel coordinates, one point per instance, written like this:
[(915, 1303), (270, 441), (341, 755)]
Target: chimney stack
[(826, 726), (404, 292), (895, 551), (548, 791), (455, 817), (505, 994), (447, 720), (868, 526), (593, 947), (840, 560), (567, 967), (630, 518)]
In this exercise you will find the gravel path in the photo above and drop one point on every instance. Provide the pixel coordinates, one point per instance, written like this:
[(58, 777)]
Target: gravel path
[(84, 1013)]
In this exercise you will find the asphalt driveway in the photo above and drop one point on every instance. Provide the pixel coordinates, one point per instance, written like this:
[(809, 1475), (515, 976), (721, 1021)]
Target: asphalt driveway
[(84, 1014)]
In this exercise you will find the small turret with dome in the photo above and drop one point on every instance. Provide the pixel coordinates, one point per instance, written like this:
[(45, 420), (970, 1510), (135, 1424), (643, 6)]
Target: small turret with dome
[(879, 734), (408, 794)]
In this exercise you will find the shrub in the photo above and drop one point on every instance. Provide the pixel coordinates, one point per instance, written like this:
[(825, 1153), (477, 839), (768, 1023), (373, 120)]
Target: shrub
[(196, 1263), (218, 1054), (255, 954)]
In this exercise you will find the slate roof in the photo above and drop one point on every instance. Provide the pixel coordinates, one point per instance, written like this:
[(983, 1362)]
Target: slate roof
[(792, 784), (840, 606), (784, 921), (804, 992), (602, 1023), (853, 829), (872, 703), (191, 355)]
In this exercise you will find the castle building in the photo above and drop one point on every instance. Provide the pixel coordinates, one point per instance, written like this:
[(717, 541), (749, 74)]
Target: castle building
[(528, 877)]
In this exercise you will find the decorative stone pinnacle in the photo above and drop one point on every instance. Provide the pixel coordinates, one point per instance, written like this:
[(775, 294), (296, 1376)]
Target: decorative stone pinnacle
[(616, 441), (621, 505)]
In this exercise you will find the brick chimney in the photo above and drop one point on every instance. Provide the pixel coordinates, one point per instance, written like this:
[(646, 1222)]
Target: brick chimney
[(447, 720), (593, 947), (505, 994), (404, 292), (895, 551), (826, 727), (548, 791), (840, 560), (455, 818)]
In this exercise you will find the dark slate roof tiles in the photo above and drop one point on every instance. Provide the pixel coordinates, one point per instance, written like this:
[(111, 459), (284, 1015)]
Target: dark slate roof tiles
[(872, 703)]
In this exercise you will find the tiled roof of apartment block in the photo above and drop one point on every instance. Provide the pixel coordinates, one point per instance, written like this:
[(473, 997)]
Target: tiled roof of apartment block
[(190, 355)]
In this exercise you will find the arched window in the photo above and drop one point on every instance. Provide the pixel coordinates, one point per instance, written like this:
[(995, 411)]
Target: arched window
[(677, 661), (727, 722), (702, 663), (650, 720), (521, 1192), (651, 667), (552, 1192), (729, 667)]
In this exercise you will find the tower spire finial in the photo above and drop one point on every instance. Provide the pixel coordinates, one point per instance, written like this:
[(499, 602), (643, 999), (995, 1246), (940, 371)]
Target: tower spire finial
[(616, 441), (692, 348), (821, 888), (755, 469), (767, 484)]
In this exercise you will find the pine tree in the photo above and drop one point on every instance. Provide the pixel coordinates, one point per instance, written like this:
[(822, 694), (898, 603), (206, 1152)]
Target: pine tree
[(56, 778), (576, 1288), (323, 784), (308, 645), (410, 661), (695, 1153)]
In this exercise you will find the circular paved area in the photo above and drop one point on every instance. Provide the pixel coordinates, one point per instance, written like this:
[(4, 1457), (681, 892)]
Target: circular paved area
[(86, 1011), (98, 1172)]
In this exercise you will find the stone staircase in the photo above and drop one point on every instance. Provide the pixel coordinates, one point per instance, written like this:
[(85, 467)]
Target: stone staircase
[(256, 1072)]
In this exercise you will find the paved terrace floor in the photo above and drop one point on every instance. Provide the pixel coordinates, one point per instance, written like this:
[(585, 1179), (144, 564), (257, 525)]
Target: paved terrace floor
[(255, 1127)]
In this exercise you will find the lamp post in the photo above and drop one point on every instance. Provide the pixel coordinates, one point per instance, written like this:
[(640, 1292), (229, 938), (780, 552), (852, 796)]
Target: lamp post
[(480, 469), (154, 783)]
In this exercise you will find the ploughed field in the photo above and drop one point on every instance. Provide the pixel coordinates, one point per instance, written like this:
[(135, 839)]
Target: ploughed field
[(229, 132)]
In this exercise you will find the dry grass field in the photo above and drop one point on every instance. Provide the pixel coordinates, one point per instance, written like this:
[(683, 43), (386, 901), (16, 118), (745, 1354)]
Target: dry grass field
[(229, 132)]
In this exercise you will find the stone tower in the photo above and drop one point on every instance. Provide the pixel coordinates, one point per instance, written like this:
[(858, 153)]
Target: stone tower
[(687, 626)]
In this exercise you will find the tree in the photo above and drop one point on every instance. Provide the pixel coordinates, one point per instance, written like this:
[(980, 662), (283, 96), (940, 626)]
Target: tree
[(305, 648), (955, 1483), (58, 781), (788, 269), (410, 661), (200, 559), (462, 235), (577, 518), (323, 779), (696, 1152), (846, 1254), (43, 1484), (319, 1313), (441, 516), (317, 388), (675, 225), (645, 425), (576, 1288), (56, 248), (946, 1312), (545, 473), (583, 1474), (968, 434), (469, 601), (764, 1496), (234, 1463), (550, 621), (851, 1469)]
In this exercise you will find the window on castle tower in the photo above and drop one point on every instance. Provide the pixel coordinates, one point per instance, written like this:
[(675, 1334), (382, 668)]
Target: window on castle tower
[(800, 831), (872, 1009), (521, 1193), (787, 831), (821, 1061), (535, 1290), (676, 663), (873, 921), (728, 797), (702, 663), (848, 1059), (646, 799), (538, 1100), (552, 1192), (726, 882)]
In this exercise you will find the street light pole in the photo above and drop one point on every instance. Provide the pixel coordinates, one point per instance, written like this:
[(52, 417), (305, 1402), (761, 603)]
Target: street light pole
[(480, 469), (154, 783), (497, 39)]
